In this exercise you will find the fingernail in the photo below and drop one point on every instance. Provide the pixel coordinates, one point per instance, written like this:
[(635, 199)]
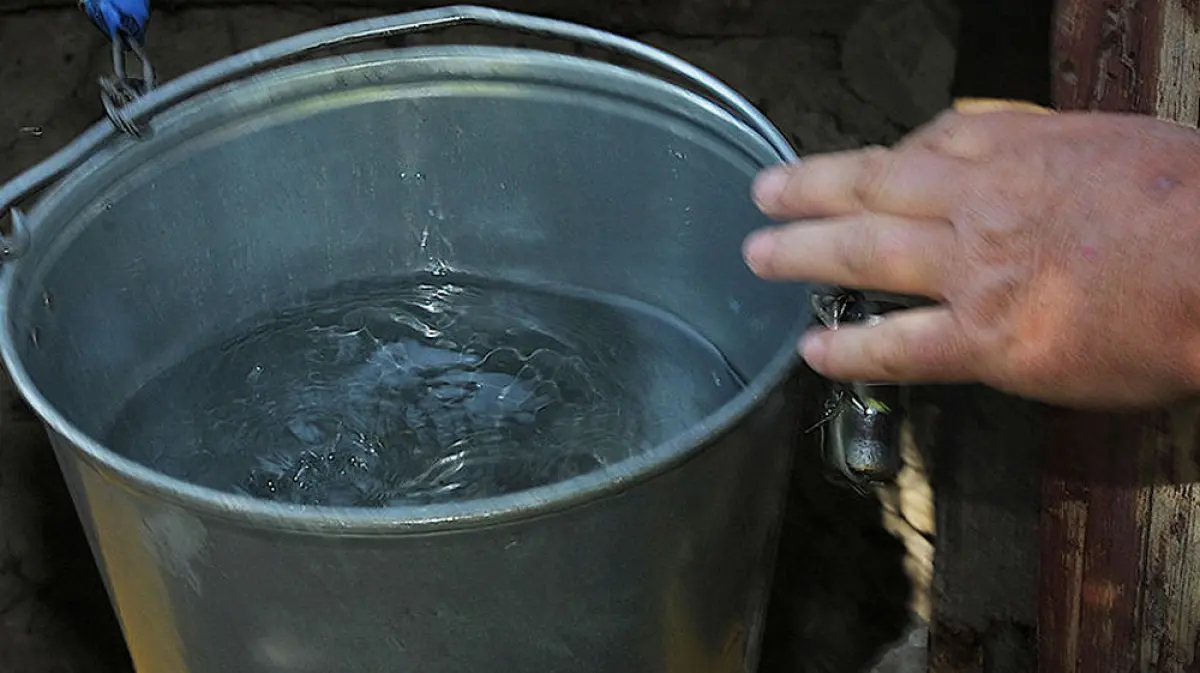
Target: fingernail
[(813, 347), (768, 186), (757, 248)]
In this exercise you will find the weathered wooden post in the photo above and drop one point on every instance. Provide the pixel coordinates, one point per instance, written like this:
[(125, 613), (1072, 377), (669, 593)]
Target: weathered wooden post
[(1119, 585)]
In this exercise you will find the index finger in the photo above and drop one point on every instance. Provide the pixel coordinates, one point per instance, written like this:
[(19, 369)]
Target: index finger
[(910, 182)]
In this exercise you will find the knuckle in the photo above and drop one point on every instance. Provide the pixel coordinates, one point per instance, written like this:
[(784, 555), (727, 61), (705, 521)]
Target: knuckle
[(903, 254), (944, 128), (874, 175), (858, 250), (962, 135)]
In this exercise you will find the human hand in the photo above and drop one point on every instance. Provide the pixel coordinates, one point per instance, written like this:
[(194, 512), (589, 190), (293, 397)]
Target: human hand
[(1064, 252)]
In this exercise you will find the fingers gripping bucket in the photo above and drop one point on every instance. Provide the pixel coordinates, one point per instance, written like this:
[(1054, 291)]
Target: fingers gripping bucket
[(252, 187)]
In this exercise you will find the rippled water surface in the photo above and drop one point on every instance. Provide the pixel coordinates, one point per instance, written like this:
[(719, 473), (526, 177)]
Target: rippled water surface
[(425, 390)]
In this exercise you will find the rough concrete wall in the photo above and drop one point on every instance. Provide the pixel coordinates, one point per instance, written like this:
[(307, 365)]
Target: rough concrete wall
[(717, 18), (833, 74)]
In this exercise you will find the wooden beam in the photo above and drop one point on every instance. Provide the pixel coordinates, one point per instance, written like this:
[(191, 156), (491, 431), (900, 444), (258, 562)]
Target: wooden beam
[(1119, 586)]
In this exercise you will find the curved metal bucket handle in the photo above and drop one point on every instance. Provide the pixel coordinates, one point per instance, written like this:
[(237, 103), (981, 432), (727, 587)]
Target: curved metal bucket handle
[(204, 79), (129, 119)]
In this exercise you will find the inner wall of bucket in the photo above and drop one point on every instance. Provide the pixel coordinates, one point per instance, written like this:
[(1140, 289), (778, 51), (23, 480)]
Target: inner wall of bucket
[(524, 166)]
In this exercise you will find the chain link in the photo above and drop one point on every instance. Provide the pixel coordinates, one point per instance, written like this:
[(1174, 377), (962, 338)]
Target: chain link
[(120, 89), (124, 23), (859, 414), (834, 306)]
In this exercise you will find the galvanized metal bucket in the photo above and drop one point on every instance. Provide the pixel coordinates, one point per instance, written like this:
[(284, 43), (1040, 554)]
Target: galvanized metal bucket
[(246, 187)]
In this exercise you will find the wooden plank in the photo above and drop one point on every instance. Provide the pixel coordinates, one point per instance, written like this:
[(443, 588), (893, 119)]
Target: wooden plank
[(1106, 54), (1171, 593), (1120, 576), (1120, 583), (1177, 96), (1093, 522)]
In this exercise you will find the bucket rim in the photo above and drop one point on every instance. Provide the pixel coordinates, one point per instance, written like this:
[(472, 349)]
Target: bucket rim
[(532, 503)]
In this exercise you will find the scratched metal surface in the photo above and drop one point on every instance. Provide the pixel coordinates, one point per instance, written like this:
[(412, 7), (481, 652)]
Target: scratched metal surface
[(53, 614)]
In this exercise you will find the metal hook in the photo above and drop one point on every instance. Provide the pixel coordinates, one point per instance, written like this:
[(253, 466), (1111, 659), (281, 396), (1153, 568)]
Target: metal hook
[(120, 90), (830, 306), (860, 426)]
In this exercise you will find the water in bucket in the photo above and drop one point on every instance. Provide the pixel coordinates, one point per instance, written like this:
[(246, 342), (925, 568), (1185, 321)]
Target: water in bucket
[(431, 389)]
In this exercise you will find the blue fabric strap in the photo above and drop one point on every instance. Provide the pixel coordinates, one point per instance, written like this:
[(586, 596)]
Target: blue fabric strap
[(119, 20)]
